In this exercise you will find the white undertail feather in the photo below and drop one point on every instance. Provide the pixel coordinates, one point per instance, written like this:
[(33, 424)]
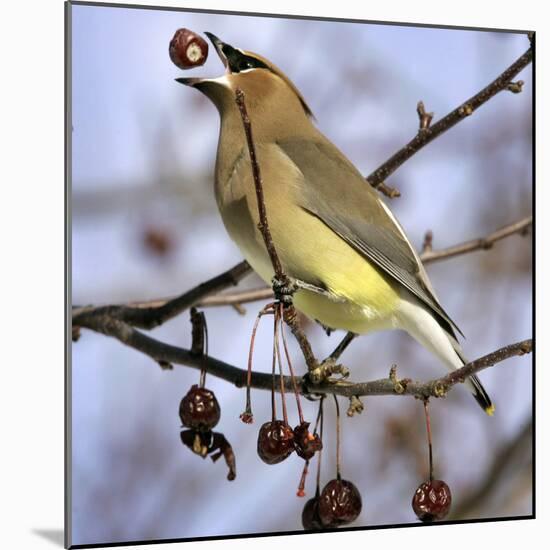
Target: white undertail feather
[(413, 317)]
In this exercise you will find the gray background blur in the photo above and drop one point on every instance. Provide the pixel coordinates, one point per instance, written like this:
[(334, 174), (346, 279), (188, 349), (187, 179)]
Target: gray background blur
[(145, 225)]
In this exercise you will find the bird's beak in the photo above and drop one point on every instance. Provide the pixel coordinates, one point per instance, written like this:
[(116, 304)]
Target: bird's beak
[(221, 48), (189, 81)]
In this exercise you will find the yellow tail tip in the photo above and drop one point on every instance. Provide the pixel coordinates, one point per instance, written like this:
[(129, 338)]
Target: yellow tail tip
[(490, 410)]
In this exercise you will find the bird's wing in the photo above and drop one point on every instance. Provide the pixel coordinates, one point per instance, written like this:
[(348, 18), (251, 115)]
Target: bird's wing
[(337, 194)]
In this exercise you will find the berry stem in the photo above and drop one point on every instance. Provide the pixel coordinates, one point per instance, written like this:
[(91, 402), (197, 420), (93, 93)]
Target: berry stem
[(199, 339), (300, 492), (202, 378), (205, 353), (247, 415), (320, 418), (296, 392), (301, 486), (338, 476), (273, 405), (276, 318), (429, 432)]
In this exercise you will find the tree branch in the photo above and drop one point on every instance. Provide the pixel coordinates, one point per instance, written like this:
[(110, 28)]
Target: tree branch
[(434, 388), (166, 354), (484, 243), (148, 316), (429, 133)]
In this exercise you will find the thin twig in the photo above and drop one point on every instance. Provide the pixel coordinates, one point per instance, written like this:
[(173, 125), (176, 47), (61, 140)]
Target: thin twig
[(263, 225), (390, 192), (484, 243), (427, 245), (240, 297), (427, 135), (424, 118), (291, 319)]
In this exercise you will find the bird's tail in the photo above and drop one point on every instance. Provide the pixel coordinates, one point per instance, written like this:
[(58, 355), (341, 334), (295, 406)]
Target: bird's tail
[(473, 382), (441, 341), (481, 395)]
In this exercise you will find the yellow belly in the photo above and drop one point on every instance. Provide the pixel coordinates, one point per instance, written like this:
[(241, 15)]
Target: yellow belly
[(365, 298)]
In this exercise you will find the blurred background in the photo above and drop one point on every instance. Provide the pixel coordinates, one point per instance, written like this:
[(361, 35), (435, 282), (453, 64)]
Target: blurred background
[(145, 225)]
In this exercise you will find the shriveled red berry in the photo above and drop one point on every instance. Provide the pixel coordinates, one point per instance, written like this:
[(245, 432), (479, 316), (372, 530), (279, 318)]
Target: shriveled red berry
[(305, 443), (310, 515), (340, 503), (198, 442), (199, 409), (275, 441), (432, 500), (187, 49)]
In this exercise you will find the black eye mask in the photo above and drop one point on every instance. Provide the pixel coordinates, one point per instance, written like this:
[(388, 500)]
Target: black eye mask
[(237, 61)]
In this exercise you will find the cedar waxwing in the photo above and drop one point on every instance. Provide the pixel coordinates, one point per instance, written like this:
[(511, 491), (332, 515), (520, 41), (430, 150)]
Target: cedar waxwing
[(330, 228)]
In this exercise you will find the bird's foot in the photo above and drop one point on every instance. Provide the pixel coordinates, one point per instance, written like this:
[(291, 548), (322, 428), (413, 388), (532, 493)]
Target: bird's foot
[(320, 378), (328, 330), (321, 373), (284, 288)]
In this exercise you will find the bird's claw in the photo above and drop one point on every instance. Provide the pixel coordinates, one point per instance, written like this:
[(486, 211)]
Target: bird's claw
[(322, 373), (283, 289)]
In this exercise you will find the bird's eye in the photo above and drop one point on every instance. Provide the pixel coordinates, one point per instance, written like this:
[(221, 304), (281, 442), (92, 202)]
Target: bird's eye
[(246, 64), (239, 62)]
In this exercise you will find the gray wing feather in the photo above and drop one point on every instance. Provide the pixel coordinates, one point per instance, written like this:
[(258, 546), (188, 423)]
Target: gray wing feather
[(359, 220)]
